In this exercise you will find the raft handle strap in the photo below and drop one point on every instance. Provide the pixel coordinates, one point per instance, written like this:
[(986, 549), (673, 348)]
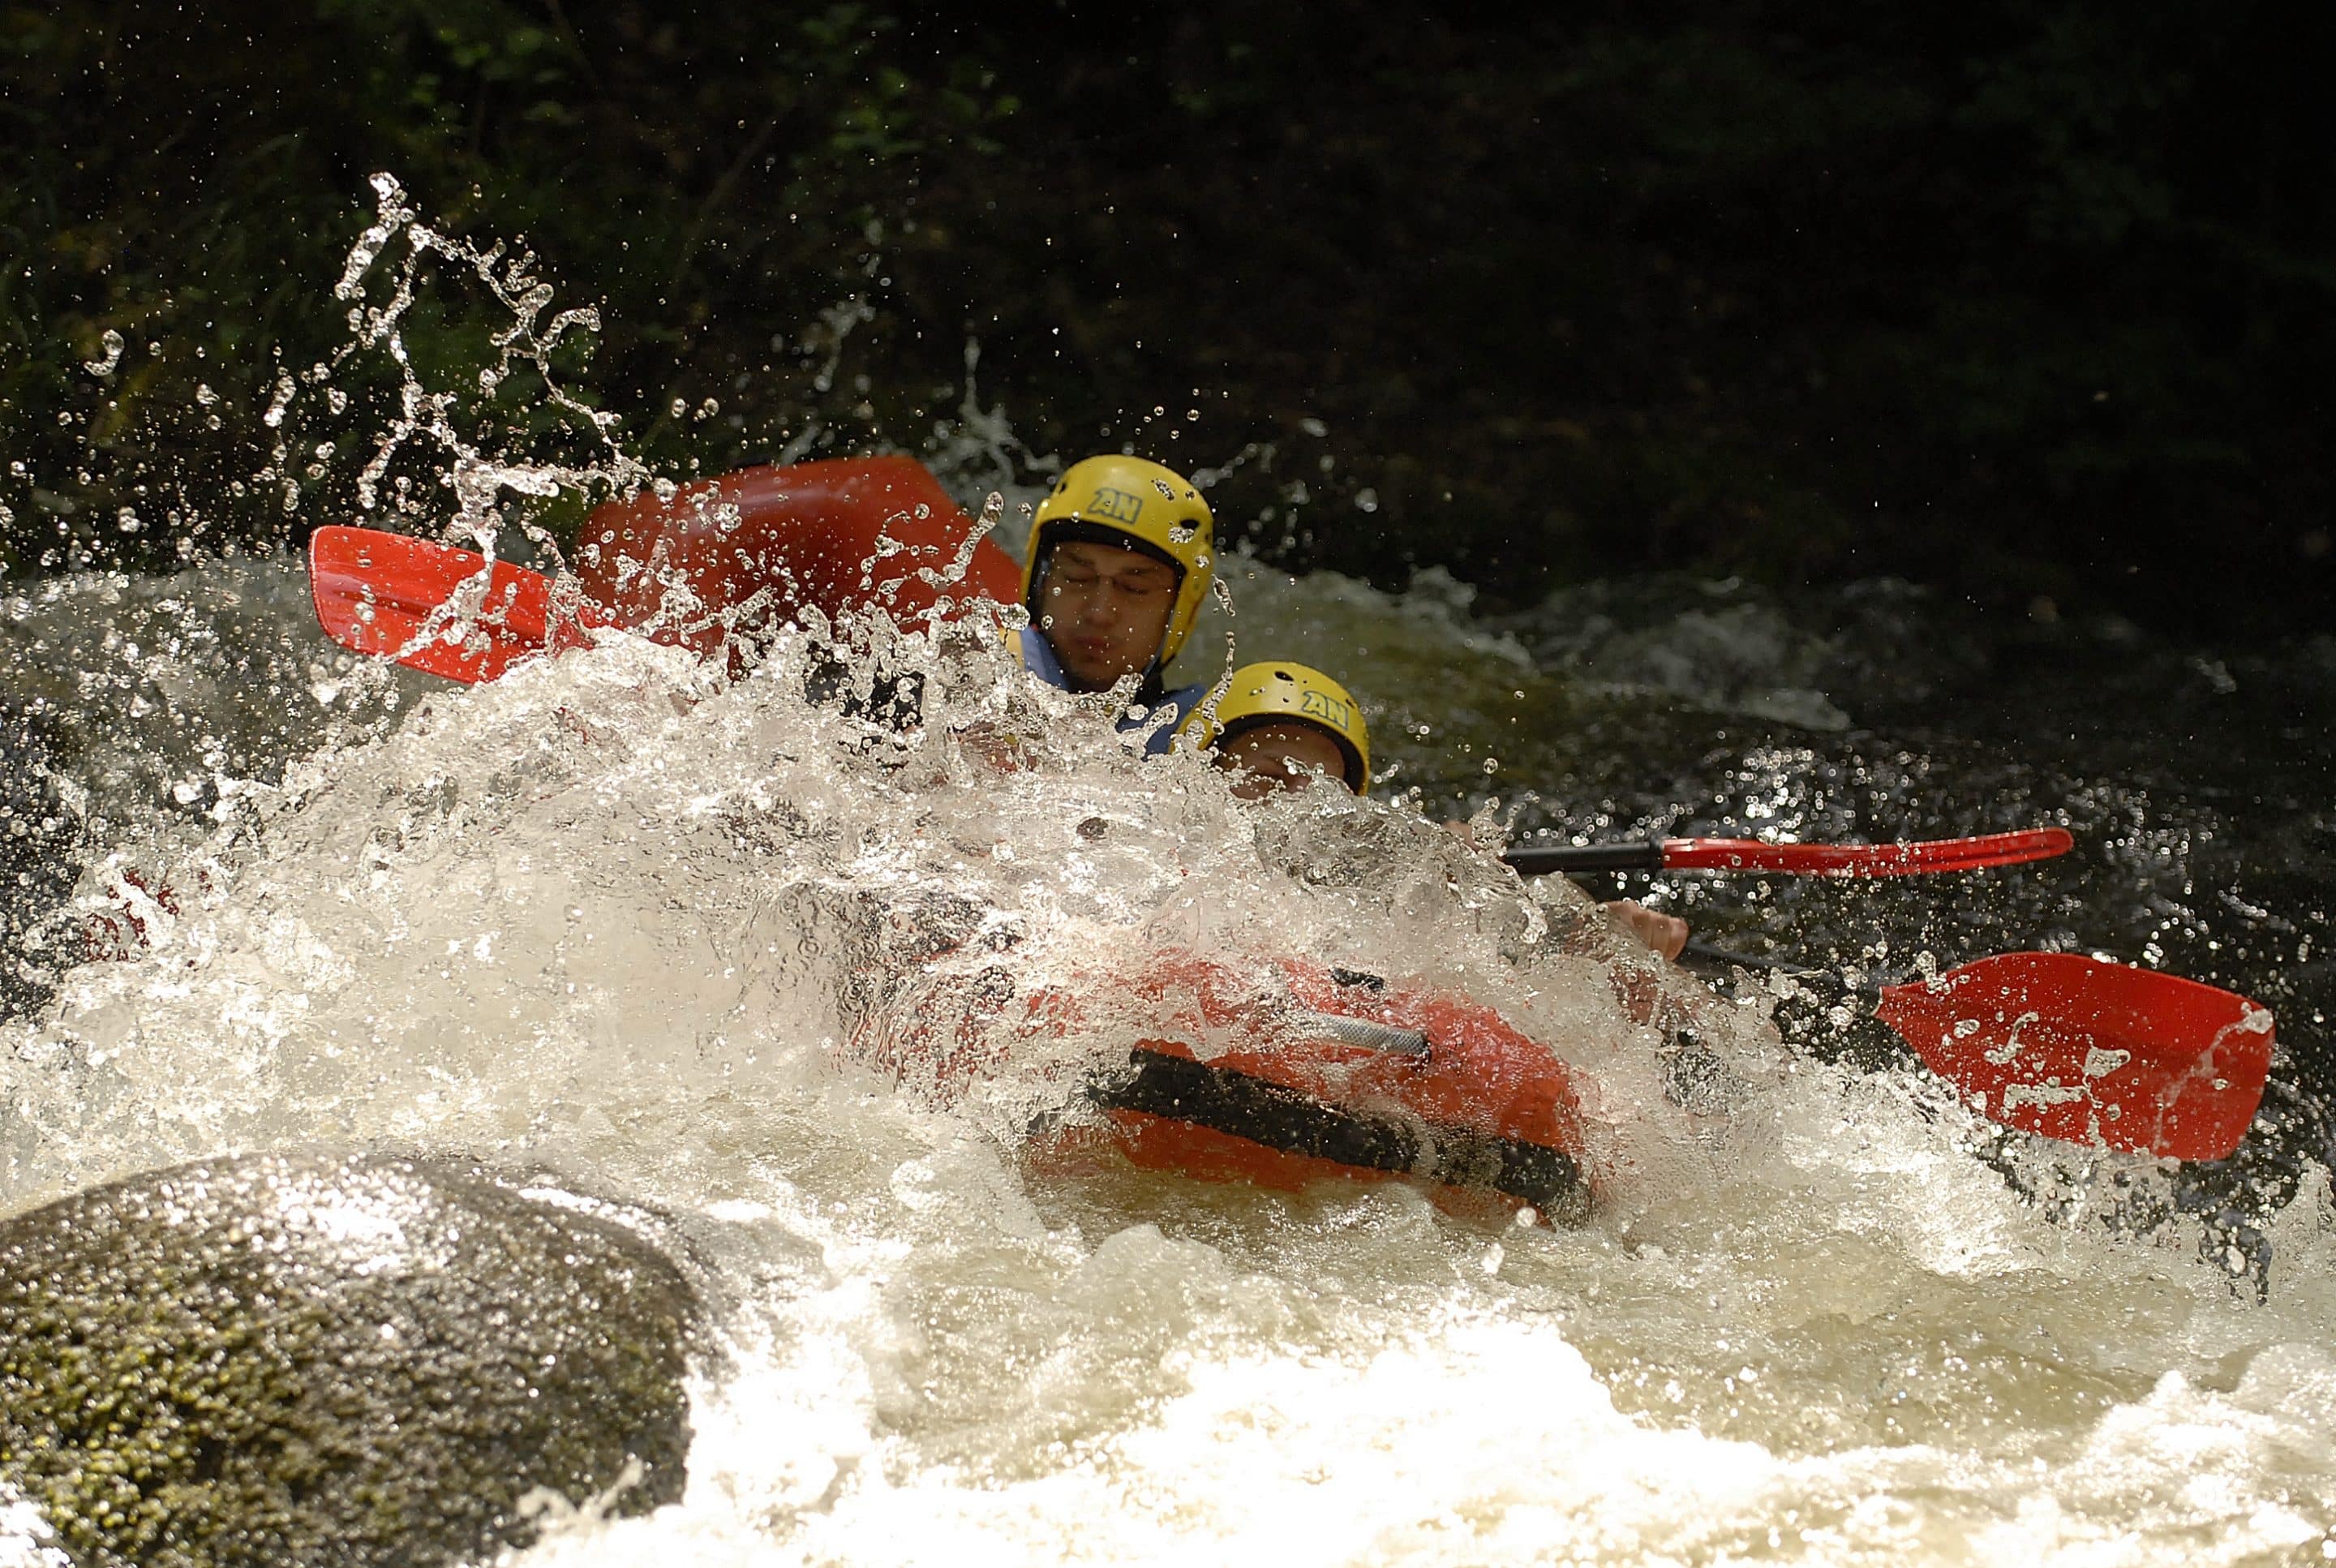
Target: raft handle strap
[(1363, 1032)]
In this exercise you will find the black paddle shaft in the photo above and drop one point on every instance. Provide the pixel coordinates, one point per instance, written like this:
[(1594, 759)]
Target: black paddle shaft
[(1541, 859)]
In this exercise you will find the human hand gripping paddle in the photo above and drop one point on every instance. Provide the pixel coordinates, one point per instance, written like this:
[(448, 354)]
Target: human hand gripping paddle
[(2084, 1050)]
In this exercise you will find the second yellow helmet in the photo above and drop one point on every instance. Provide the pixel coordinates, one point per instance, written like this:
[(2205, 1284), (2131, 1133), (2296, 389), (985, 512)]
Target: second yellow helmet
[(1155, 508), (1279, 692)]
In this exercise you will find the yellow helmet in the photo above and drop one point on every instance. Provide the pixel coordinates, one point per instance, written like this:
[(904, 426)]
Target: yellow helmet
[(1142, 505), (1279, 692)]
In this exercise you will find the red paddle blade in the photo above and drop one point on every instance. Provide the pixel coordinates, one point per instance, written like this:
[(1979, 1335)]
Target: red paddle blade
[(2092, 1052), (1899, 859), (401, 598)]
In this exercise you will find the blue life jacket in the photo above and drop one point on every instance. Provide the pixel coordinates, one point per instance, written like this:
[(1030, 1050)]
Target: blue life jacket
[(1039, 658)]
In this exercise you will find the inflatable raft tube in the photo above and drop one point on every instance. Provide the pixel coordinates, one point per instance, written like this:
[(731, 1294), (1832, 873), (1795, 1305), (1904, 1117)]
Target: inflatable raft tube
[(1314, 1074), (757, 547)]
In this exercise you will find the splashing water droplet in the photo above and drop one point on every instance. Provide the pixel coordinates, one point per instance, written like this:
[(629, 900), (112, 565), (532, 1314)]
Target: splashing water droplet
[(113, 342), (285, 390)]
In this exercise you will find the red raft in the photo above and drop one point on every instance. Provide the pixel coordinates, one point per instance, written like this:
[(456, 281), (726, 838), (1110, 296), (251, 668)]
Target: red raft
[(1328, 1074), (720, 563), (757, 547)]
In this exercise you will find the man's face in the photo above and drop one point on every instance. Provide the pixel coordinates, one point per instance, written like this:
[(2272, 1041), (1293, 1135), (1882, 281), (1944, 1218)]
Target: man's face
[(1278, 756), (1105, 610)]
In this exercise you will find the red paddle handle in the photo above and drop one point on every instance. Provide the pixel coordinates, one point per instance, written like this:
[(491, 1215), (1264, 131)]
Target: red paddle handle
[(1795, 860), (1867, 860)]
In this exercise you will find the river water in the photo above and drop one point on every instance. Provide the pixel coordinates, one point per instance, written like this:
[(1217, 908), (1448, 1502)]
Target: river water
[(614, 916)]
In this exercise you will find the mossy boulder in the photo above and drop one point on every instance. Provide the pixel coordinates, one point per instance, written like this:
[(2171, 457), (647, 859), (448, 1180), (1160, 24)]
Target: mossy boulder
[(333, 1359)]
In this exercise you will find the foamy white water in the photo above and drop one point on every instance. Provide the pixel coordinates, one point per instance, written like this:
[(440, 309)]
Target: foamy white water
[(606, 917)]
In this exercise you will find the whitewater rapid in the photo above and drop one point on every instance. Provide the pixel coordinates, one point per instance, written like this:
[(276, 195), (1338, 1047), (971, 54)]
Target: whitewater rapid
[(620, 918), (617, 918)]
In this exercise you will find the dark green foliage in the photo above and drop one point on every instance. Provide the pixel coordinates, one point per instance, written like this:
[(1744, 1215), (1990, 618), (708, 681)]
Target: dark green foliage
[(194, 178), (330, 1360), (2023, 299)]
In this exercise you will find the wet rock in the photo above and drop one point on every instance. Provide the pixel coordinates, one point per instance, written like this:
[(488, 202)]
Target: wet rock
[(332, 1359)]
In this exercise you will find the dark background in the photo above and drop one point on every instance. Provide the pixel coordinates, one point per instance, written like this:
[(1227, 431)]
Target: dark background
[(2034, 302)]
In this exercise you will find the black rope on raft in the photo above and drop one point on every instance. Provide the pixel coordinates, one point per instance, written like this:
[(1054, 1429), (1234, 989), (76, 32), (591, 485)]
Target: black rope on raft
[(1278, 1117)]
